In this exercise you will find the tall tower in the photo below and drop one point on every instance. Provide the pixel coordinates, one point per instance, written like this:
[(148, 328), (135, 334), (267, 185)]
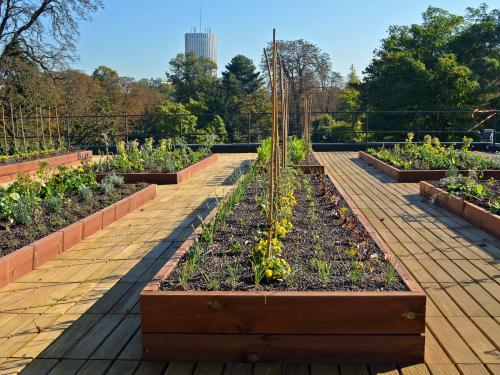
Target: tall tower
[(202, 44)]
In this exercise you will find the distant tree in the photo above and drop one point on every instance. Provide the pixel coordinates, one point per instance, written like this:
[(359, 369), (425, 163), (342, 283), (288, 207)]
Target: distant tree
[(446, 62), (42, 31), (192, 78), (240, 77), (307, 67), (176, 119), (109, 80)]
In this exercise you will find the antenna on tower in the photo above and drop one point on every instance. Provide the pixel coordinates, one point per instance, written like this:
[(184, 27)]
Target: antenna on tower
[(200, 18)]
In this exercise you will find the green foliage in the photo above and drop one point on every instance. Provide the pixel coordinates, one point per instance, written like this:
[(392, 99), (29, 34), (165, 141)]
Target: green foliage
[(192, 78), (431, 155), (326, 128), (85, 193), (165, 157), (54, 204), (446, 62), (297, 149)]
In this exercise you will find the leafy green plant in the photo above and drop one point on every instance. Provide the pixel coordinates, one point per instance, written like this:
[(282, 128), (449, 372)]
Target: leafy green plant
[(54, 204)]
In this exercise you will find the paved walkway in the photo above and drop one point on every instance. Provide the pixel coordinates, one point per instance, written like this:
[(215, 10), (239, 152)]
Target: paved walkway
[(80, 310), (79, 313)]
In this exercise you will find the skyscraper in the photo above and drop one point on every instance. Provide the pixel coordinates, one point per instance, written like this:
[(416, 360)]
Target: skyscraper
[(202, 44)]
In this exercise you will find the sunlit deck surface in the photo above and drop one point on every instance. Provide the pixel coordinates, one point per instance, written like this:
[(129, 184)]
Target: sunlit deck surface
[(79, 313)]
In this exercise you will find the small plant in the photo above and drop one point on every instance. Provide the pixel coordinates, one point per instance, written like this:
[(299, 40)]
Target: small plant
[(106, 188), (24, 210), (85, 193), (390, 273), (54, 204), (113, 179)]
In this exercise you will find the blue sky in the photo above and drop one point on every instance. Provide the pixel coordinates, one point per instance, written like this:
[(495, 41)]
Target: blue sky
[(138, 38)]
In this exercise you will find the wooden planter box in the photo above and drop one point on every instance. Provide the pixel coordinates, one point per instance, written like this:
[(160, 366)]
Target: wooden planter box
[(312, 169), (480, 217), (403, 175), (166, 178), (283, 326), (30, 257), (9, 172)]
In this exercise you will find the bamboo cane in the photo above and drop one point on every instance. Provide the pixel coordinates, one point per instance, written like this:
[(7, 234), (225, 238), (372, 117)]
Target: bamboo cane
[(43, 128), (22, 126), (58, 129), (50, 131), (282, 95), (4, 130), (37, 128), (13, 125), (272, 78)]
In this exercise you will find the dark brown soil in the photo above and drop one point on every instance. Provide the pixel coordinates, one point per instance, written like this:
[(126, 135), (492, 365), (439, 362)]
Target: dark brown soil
[(13, 237), (14, 160), (233, 245), (492, 189)]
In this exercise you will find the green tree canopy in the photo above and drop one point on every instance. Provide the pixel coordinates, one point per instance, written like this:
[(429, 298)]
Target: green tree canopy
[(241, 77), (192, 78)]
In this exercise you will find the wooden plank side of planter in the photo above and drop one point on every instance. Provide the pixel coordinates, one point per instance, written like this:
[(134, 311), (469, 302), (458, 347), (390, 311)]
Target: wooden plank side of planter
[(312, 169), (21, 261), (263, 313), (403, 175), (9, 172), (286, 348), (166, 178), (478, 216)]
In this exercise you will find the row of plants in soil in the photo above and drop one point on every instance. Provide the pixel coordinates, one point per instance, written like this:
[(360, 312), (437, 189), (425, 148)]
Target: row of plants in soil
[(314, 242), (485, 194), (432, 155), (21, 153), (31, 208), (167, 156)]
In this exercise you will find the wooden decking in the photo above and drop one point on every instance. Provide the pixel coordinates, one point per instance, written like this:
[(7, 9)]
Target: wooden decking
[(79, 313)]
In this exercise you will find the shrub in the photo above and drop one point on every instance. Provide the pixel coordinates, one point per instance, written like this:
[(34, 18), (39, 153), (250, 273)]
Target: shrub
[(54, 204), (85, 193), (297, 150)]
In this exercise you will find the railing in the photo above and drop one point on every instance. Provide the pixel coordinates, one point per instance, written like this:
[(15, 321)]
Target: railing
[(350, 127)]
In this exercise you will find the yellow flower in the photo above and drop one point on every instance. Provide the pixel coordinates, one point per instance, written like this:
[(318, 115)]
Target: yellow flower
[(281, 231), (269, 273)]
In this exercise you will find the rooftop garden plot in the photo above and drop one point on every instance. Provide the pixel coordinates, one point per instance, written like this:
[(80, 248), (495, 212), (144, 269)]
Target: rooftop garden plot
[(316, 242), (432, 155), (485, 194), (31, 208), (165, 157)]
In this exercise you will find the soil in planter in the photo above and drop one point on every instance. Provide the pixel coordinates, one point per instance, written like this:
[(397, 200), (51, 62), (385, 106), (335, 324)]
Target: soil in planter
[(13, 237), (231, 250), (491, 188), (20, 159)]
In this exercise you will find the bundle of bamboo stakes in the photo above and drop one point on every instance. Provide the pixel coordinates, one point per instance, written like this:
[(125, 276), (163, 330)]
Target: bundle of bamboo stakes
[(278, 106), (42, 122)]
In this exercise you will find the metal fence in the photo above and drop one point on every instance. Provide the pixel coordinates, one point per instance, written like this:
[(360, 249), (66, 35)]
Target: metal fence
[(338, 127)]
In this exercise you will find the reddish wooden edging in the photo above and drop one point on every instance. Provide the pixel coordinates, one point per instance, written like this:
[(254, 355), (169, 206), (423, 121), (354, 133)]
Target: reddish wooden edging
[(402, 175), (312, 169), (283, 326), (9, 172), (32, 256), (478, 216), (166, 178)]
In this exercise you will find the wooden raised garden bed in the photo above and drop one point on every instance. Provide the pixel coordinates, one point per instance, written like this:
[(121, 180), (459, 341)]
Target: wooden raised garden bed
[(9, 172), (312, 168), (288, 326), (30, 257), (166, 178), (478, 216), (409, 175)]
